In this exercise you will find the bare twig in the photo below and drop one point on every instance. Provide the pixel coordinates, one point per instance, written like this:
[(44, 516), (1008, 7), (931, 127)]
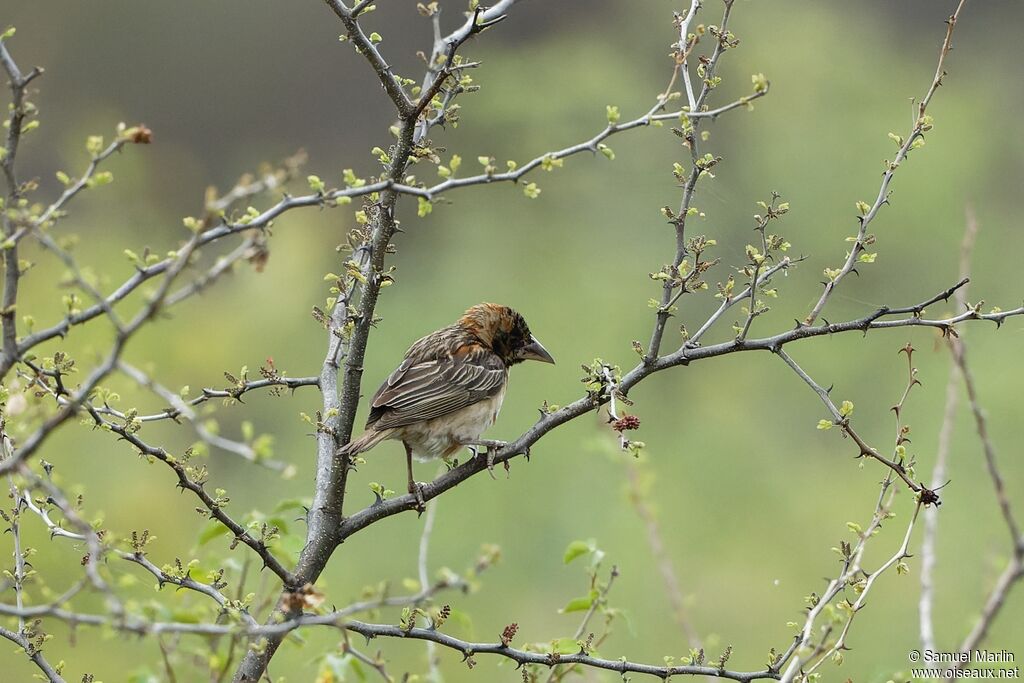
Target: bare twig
[(557, 673), (424, 577), (368, 49), (73, 403), (1013, 573), (657, 546), (34, 654), (799, 664), (186, 480), (179, 407), (991, 462), (917, 131), (138, 558), (699, 165), (842, 420), (1014, 570), (931, 516)]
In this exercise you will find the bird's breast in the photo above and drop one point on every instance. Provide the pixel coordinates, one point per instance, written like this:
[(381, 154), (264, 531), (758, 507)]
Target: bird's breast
[(443, 436)]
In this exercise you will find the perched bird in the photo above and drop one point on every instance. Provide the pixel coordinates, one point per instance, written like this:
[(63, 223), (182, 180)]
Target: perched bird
[(449, 388)]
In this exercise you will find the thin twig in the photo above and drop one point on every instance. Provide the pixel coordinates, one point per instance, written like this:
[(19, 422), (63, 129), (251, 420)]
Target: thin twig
[(917, 131), (424, 577), (657, 545), (931, 516)]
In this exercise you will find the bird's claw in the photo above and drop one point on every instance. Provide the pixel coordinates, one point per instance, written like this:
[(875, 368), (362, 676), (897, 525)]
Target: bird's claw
[(416, 488), (490, 462), (492, 447)]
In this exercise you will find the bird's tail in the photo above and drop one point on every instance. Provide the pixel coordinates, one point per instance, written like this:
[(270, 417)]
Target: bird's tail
[(369, 439)]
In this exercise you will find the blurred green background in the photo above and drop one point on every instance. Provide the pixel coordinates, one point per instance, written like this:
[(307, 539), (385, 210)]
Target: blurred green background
[(750, 496)]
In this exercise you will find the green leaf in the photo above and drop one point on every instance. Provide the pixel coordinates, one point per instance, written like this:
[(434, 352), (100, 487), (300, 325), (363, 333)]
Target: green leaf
[(579, 604), (212, 530), (565, 646), (101, 178), (94, 144), (576, 549), (424, 206), (289, 504)]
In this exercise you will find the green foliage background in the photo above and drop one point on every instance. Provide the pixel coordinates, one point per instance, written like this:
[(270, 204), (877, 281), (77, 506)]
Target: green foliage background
[(749, 494)]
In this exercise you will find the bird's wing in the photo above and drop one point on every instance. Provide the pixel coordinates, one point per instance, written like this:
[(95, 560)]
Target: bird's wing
[(432, 388)]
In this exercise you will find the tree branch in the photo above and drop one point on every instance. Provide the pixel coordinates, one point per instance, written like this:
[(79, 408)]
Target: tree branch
[(917, 131), (15, 123), (368, 630), (34, 654), (195, 483), (368, 49)]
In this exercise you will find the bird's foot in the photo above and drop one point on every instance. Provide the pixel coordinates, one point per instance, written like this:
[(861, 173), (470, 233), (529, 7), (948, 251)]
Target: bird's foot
[(416, 488), (492, 446)]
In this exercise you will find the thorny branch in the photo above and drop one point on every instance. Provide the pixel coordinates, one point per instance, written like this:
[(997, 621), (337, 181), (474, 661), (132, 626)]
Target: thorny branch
[(180, 408), (921, 125), (699, 165), (804, 664), (138, 557), (188, 478), (368, 630), (23, 640), (842, 420), (15, 124)]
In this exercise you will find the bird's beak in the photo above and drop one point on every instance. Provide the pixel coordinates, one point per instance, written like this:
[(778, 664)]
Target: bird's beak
[(536, 351)]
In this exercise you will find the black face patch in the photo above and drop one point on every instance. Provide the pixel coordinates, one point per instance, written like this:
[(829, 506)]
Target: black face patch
[(512, 336)]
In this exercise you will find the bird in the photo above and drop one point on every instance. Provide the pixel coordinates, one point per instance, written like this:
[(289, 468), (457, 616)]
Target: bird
[(449, 388)]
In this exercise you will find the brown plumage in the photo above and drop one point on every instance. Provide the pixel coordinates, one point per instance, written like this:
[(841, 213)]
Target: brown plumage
[(450, 385)]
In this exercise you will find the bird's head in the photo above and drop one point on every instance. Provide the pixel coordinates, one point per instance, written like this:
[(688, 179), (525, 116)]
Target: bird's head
[(505, 332)]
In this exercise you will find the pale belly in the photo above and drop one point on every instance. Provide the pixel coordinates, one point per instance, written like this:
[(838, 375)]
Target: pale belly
[(444, 436)]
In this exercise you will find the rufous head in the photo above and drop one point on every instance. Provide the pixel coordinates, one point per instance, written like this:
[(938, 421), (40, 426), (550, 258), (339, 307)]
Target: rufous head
[(505, 331)]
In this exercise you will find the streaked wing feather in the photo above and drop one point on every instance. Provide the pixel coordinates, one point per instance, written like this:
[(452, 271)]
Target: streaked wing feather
[(430, 389)]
